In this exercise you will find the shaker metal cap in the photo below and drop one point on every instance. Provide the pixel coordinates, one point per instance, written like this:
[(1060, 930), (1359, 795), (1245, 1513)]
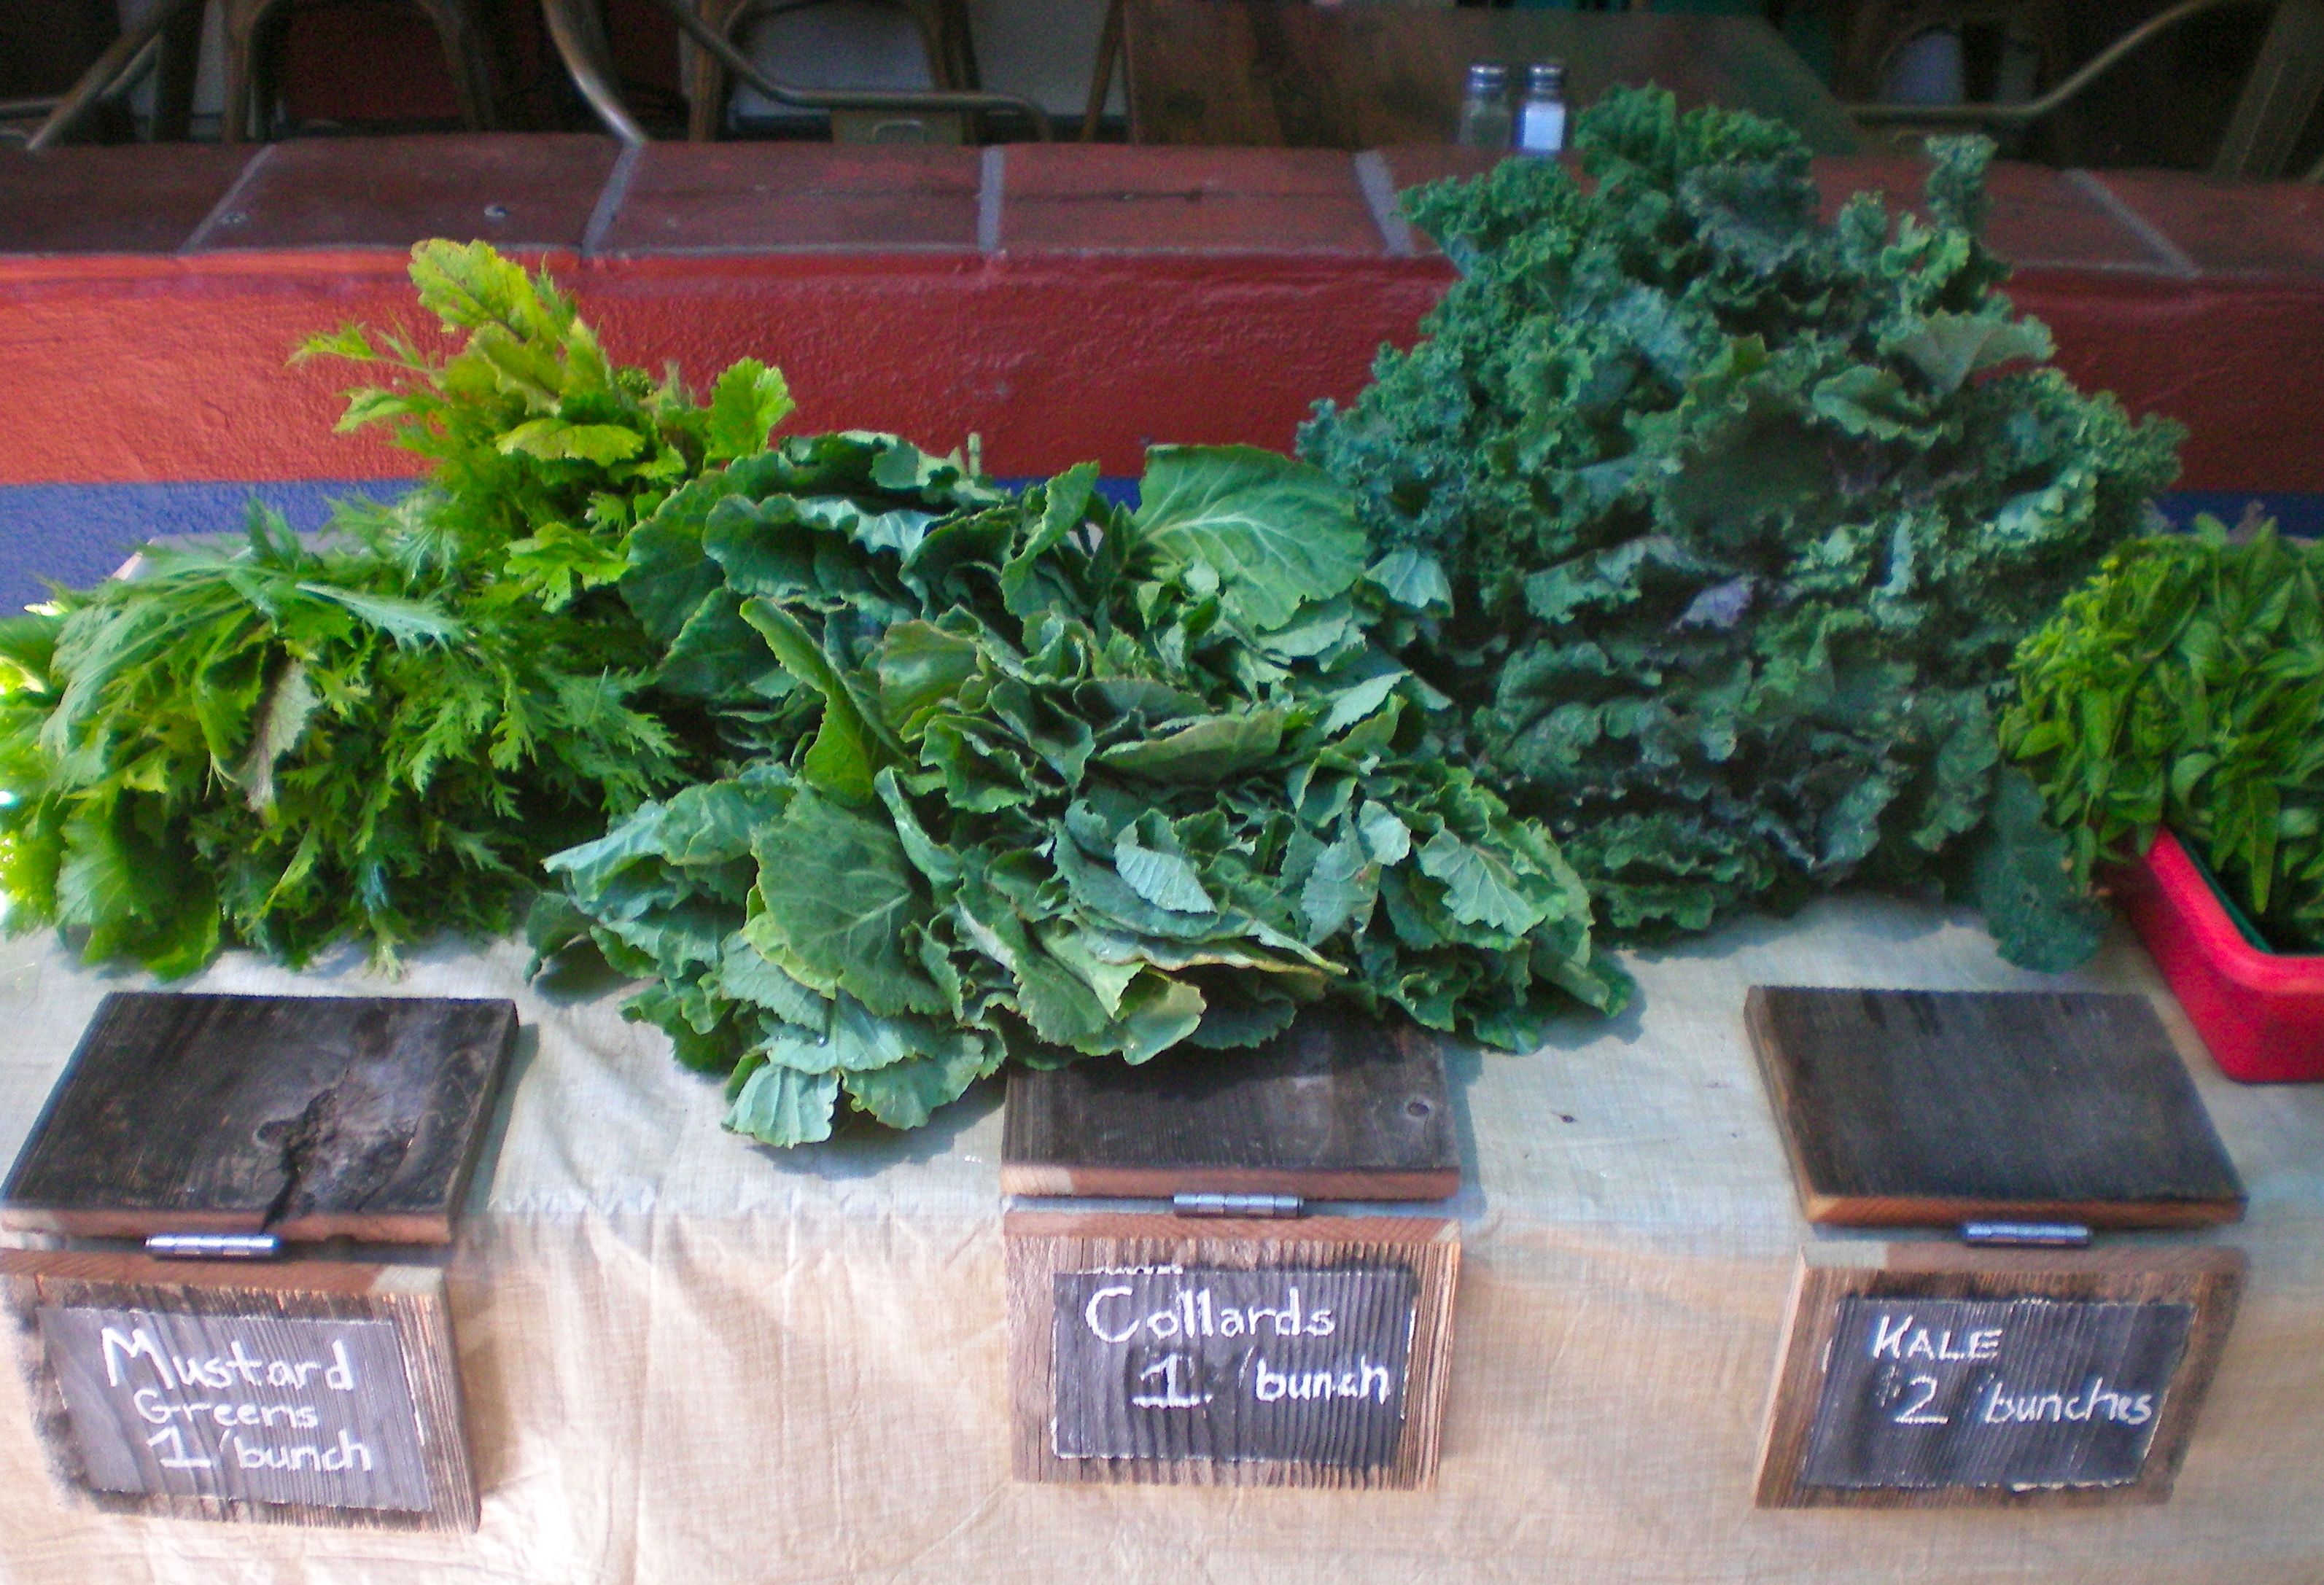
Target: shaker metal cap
[(1544, 76), (1488, 77)]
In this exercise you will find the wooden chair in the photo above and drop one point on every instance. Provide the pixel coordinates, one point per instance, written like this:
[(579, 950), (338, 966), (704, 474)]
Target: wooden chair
[(944, 34), (253, 32), (2280, 94), (577, 30)]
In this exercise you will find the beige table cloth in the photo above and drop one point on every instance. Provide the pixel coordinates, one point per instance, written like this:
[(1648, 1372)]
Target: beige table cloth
[(690, 1359)]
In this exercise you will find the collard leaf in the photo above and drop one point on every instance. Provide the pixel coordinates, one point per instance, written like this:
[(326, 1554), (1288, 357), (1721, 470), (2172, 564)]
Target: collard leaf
[(849, 746), (1157, 1013), (839, 888), (780, 1105), (1228, 1025), (1165, 880), (906, 1095), (1209, 750), (920, 668), (669, 578), (1412, 578), (1059, 1004), (1341, 885), (1065, 504), (1388, 838), (1479, 888), (744, 974), (1277, 534)]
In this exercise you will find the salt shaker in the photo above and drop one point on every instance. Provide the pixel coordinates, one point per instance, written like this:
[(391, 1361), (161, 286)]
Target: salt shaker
[(1541, 120)]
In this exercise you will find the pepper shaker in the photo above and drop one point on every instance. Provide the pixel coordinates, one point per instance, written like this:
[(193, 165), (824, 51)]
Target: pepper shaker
[(1485, 120)]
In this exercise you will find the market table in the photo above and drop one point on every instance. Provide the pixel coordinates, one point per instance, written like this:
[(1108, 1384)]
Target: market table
[(687, 1358), (1368, 76)]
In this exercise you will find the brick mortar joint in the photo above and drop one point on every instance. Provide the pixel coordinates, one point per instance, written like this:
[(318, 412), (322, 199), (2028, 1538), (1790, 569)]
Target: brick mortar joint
[(2122, 213)]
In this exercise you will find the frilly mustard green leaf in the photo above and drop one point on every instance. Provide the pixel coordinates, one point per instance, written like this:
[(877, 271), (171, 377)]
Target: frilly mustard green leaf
[(380, 738)]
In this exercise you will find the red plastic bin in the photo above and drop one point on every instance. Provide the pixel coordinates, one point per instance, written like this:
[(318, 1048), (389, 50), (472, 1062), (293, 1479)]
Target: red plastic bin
[(2261, 1013)]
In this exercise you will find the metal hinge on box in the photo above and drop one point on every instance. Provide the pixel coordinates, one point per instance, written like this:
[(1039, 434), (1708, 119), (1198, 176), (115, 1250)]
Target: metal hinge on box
[(1257, 1206), (213, 1246)]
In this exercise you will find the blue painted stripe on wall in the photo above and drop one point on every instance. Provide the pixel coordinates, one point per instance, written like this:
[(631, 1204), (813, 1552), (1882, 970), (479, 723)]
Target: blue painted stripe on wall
[(77, 534), (2294, 514)]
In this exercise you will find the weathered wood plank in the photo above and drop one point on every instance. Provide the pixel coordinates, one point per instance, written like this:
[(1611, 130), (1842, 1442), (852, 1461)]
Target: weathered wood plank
[(310, 1116), (314, 1393), (1340, 1107), (1925, 1107), (1928, 1375), (1256, 1403)]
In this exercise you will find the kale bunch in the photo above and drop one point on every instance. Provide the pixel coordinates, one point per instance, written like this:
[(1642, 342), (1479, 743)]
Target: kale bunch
[(2185, 685), (1039, 776), (1740, 516), (377, 736)]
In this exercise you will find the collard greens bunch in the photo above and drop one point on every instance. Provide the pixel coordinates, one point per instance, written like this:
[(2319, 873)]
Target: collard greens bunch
[(1742, 515), (379, 736), (2186, 685), (1035, 776)]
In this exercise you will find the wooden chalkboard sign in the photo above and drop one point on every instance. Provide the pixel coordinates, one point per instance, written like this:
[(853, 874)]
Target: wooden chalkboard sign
[(1939, 1377), (1936, 1107), (1276, 1353), (1339, 1107), (1235, 1350), (312, 1392), (310, 1116)]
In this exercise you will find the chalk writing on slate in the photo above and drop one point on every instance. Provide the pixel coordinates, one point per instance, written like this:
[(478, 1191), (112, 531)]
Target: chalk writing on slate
[(2026, 1394), (1237, 1366), (266, 1408)]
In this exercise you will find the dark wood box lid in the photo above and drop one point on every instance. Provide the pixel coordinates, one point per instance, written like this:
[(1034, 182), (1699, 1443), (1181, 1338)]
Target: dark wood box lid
[(1339, 1107), (1933, 1108), (312, 1117)]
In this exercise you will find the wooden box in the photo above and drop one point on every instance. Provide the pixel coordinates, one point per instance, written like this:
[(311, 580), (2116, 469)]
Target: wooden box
[(1929, 1374), (1933, 1108), (323, 1389), (1192, 1340)]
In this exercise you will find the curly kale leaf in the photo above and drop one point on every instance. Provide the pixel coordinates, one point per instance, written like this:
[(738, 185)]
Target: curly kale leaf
[(1741, 513), (1042, 778)]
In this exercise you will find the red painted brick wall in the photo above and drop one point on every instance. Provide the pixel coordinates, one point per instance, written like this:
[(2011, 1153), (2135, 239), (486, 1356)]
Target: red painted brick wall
[(1064, 303)]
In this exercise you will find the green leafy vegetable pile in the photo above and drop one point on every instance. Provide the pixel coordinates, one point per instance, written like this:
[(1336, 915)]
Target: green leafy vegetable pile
[(2185, 685), (1739, 517), (1039, 777), (381, 736)]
